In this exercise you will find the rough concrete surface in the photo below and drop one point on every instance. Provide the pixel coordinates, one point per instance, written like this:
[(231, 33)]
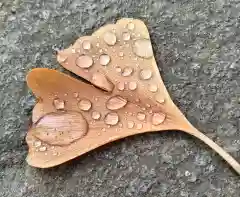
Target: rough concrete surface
[(197, 47)]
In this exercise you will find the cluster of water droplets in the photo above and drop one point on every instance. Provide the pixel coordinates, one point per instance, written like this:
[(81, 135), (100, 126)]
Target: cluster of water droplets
[(142, 48)]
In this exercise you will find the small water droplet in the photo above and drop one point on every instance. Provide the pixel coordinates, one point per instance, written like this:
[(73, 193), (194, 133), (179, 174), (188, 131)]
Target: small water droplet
[(61, 58), (132, 85), (97, 45), (96, 115), (159, 98), (152, 88), (84, 105), (158, 118), (127, 71), (126, 36), (137, 100), (116, 102), (104, 59), (121, 54), (141, 116), (65, 94), (75, 94), (100, 50), (130, 124), (131, 26), (73, 50), (58, 103), (120, 125), (143, 48), (37, 144), (103, 129), (148, 105), (118, 69), (111, 118), (86, 44), (121, 86), (84, 61), (139, 126), (110, 38), (145, 74), (43, 148)]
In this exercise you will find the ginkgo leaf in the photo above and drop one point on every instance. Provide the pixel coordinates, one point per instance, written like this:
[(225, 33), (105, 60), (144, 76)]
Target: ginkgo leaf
[(127, 97)]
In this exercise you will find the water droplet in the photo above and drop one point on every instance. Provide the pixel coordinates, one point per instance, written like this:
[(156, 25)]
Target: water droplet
[(43, 148), (132, 85), (58, 103), (111, 118), (100, 50), (60, 128), (143, 48), (152, 88), (139, 126), (103, 129), (96, 115), (97, 45), (126, 36), (100, 80), (116, 102), (104, 59), (73, 50), (159, 98), (158, 118), (145, 74), (86, 44), (148, 105), (141, 116), (84, 105), (131, 26), (84, 61), (75, 94), (118, 69), (110, 38), (37, 144), (130, 124), (121, 86), (137, 100), (121, 54), (127, 71), (61, 58), (120, 125)]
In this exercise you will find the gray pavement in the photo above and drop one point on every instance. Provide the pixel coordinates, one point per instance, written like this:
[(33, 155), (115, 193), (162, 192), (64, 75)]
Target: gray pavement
[(197, 47)]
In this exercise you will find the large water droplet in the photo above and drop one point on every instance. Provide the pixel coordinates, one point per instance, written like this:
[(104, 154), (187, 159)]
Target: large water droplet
[(110, 38), (43, 149), (104, 59), (127, 71), (143, 48), (159, 98), (60, 128), (158, 118), (130, 26), (145, 74), (86, 44), (152, 88), (96, 115), (132, 85), (100, 80), (58, 103), (121, 86), (84, 105), (116, 102), (130, 124), (141, 116), (84, 61), (126, 36), (111, 118)]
